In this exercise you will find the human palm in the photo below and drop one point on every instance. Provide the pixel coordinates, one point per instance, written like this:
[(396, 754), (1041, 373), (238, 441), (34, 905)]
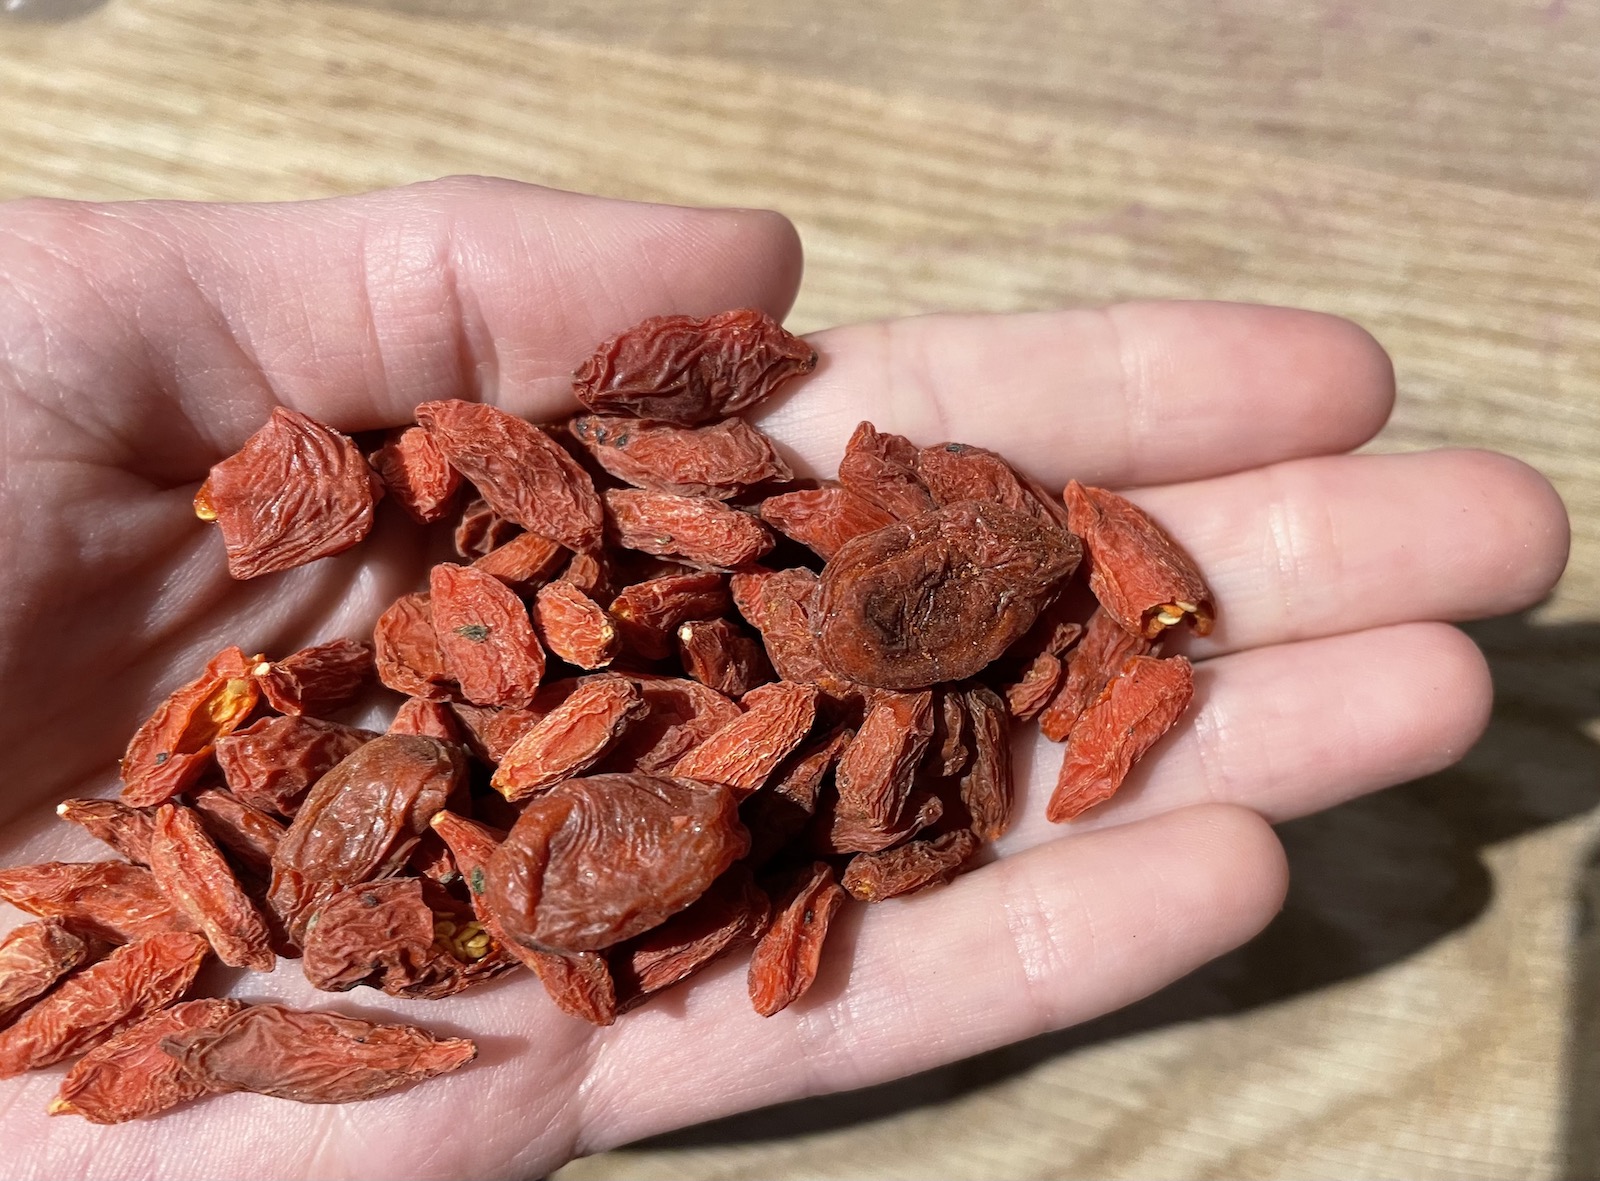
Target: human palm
[(141, 343)]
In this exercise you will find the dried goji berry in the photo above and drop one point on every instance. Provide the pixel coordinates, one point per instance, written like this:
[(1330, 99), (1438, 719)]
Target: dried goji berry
[(874, 774), (312, 1057), (104, 998), (1088, 668), (721, 460), (523, 474), (570, 738), (486, 637), (593, 573), (823, 518), (986, 783), (595, 861), (125, 829), (1141, 703), (109, 900), (839, 831), (368, 932), (525, 562), (780, 605), (1032, 671), (130, 1077), (948, 748), (406, 650), (191, 871), (685, 370), (273, 762), (431, 859), (953, 472), (695, 529), (416, 474), (296, 491), (682, 714), (491, 732), (1137, 572), (580, 985), (881, 469), (472, 844), (940, 596), (250, 835), (785, 961), (916, 865), (649, 613), (481, 530), (744, 588), (717, 653), (173, 748), (432, 719), (1032, 690), (575, 627), (742, 754), (733, 910), (386, 935), (32, 958), (362, 820), (316, 680)]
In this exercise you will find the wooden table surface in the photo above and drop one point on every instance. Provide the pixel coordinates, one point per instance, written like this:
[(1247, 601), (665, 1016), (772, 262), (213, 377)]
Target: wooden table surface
[(1429, 1003)]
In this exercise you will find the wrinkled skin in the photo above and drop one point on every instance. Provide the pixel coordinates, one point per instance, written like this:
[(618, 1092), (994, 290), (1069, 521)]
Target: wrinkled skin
[(600, 859), (939, 596), (143, 343)]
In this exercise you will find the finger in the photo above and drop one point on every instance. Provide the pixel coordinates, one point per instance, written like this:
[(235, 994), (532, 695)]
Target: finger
[(1136, 393), (1034, 942), (1292, 729), (354, 309), (1320, 546)]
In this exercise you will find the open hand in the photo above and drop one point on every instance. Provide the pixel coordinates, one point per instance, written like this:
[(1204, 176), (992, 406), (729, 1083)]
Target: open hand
[(141, 343)]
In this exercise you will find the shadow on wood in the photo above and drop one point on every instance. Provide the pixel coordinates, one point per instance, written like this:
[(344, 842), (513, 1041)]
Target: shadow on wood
[(1373, 881), (47, 11)]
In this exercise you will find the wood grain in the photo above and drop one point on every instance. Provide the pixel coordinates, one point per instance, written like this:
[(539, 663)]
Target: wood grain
[(1425, 1007)]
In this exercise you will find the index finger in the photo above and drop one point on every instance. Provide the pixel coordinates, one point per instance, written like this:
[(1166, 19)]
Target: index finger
[(1138, 393)]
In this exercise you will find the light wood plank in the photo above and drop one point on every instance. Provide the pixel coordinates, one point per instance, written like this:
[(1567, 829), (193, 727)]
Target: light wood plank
[(1427, 168)]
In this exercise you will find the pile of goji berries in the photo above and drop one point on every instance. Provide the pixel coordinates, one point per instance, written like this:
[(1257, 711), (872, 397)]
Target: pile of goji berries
[(670, 703)]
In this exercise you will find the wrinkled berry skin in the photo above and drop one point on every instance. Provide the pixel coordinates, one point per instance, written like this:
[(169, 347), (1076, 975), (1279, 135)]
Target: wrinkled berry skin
[(595, 861), (939, 596)]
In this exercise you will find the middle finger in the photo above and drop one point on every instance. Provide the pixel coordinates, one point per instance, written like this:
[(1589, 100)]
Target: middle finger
[(1316, 547), (1290, 729)]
